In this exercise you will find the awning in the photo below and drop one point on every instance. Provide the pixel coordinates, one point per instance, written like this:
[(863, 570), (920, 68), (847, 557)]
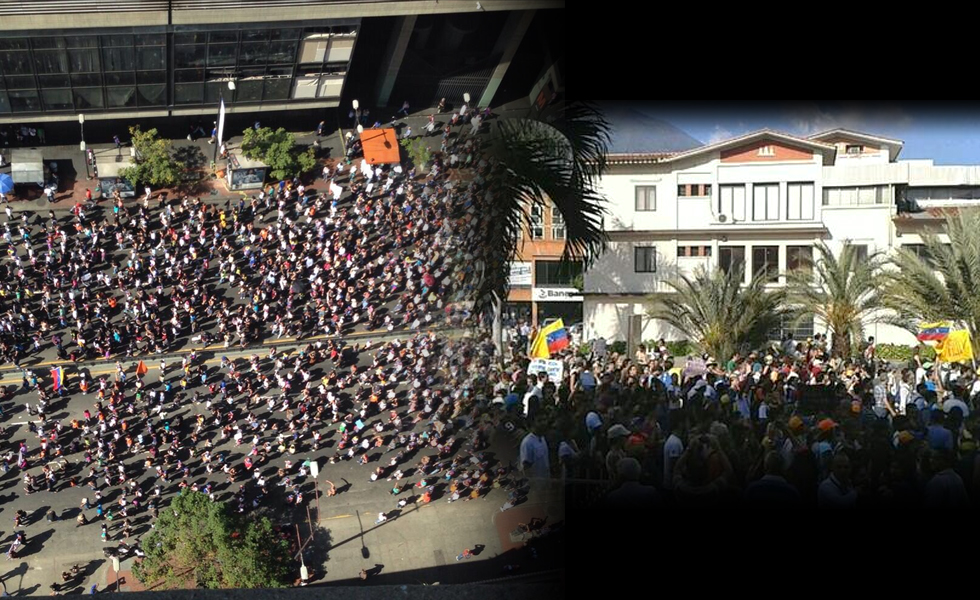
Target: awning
[(27, 166), (380, 146)]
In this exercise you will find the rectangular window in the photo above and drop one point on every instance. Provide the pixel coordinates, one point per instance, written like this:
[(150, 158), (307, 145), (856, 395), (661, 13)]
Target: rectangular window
[(556, 272), (557, 224), (645, 259), (862, 253), (767, 151), (799, 258), (854, 149), (537, 222), (693, 251), (802, 330), (731, 258), (765, 262), (917, 249), (646, 197), (799, 201), (697, 190), (731, 201), (765, 202)]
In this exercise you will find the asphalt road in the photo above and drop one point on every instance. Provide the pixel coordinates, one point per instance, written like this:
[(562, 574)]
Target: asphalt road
[(417, 545)]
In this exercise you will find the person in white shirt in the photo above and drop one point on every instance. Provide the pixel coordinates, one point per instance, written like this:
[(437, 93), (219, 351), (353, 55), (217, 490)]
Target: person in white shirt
[(534, 455), (673, 449)]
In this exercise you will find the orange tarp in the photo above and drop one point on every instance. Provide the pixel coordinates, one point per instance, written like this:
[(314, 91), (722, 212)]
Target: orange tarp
[(380, 146)]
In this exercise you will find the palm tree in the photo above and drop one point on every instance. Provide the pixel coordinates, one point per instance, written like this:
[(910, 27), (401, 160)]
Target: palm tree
[(943, 283), (557, 156), (718, 312), (842, 291)]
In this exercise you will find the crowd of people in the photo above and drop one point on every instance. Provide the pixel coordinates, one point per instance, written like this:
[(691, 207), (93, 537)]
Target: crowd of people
[(392, 252), (787, 425)]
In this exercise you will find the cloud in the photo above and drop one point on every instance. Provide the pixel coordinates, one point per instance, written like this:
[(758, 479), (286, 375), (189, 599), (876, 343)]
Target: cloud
[(809, 119)]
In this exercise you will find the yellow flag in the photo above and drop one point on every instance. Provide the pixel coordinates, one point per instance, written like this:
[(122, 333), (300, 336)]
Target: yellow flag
[(539, 349), (956, 347)]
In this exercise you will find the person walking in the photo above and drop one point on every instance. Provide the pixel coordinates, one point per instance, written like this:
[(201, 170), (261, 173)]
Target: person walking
[(214, 133), (465, 554), (321, 129), (404, 109)]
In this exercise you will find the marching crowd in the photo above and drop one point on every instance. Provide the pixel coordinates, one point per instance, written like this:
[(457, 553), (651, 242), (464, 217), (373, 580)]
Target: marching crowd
[(391, 251), (786, 426)]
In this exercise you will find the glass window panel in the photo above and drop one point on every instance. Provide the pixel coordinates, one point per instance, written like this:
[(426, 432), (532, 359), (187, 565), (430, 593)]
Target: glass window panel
[(13, 44), (117, 41), (185, 75), (190, 37), (88, 98), (189, 56), (282, 52), (125, 78), (807, 201), (254, 54), (118, 59), (277, 89), (151, 39), (51, 61), (57, 99), (213, 91), (330, 87), (151, 58), (119, 97), (84, 61), (188, 93), (255, 35), (3, 85), (15, 63), (221, 55), (24, 101), (248, 91), (54, 41), (86, 79), (82, 41), (152, 76), (4, 103), (340, 49), (22, 82), (224, 37), (286, 34), (152, 95)]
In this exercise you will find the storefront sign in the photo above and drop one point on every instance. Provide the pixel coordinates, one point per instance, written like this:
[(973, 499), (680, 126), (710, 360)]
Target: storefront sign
[(520, 274), (542, 294), (554, 368)]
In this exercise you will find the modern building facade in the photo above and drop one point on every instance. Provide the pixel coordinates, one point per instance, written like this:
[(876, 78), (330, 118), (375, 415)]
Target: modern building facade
[(761, 200), (156, 58), (542, 286)]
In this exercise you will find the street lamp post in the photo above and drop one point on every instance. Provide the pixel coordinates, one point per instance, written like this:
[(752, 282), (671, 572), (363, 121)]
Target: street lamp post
[(221, 97), (81, 123)]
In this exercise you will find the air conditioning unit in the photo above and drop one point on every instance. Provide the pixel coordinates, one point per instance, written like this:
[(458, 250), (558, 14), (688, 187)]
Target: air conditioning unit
[(722, 218)]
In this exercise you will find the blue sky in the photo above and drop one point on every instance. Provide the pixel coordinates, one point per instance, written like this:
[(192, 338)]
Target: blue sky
[(949, 137)]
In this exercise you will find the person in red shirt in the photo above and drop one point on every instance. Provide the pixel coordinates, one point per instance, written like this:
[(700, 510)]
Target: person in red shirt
[(88, 195)]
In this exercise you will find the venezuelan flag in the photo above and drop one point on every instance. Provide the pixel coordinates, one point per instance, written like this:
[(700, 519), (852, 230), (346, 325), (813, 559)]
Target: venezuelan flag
[(551, 338), (933, 331), (58, 376)]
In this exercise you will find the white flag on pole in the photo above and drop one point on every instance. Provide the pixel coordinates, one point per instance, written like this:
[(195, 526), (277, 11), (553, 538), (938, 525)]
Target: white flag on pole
[(221, 122)]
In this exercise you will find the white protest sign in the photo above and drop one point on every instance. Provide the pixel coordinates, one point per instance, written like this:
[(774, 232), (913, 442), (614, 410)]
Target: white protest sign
[(554, 368)]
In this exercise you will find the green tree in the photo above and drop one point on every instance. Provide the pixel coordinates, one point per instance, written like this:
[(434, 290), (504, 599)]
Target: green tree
[(155, 163), (278, 150), (418, 151), (717, 312), (943, 282), (842, 291), (556, 157), (206, 543)]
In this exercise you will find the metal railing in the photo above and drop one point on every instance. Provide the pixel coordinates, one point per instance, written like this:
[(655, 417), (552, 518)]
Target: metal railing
[(54, 7)]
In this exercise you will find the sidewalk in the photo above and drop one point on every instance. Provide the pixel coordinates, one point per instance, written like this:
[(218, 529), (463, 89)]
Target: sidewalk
[(197, 156)]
